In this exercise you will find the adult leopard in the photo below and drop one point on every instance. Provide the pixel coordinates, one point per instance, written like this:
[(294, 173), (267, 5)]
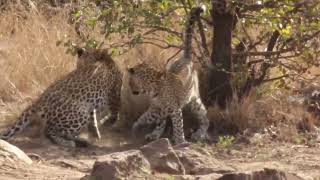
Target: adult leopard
[(171, 92), (68, 105)]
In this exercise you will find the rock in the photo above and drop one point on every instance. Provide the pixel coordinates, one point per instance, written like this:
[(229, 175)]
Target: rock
[(121, 165), (198, 161), (265, 174), (162, 157), (11, 151)]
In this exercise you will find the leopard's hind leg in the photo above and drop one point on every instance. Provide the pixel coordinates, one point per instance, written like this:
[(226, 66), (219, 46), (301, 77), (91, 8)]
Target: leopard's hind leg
[(177, 125), (199, 111), (67, 141), (65, 131)]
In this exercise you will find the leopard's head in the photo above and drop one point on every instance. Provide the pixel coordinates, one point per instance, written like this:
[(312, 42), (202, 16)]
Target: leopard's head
[(144, 80)]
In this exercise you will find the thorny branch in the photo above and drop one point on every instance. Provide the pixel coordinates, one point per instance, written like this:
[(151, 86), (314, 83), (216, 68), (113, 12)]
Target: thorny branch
[(155, 28), (276, 78), (265, 53), (173, 56)]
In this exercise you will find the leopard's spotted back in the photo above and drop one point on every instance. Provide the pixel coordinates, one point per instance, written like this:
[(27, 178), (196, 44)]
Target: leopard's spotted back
[(66, 107)]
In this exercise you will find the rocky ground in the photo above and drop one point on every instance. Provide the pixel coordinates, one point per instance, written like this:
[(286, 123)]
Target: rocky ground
[(256, 157)]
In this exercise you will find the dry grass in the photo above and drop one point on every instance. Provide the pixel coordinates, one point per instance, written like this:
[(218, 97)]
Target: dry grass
[(30, 61), (238, 116), (271, 114), (29, 57)]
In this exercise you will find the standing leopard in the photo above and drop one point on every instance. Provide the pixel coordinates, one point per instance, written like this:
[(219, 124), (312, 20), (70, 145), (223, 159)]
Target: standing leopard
[(68, 105), (171, 91)]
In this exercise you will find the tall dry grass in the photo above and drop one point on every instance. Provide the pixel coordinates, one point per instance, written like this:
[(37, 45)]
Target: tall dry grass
[(29, 57), (30, 61)]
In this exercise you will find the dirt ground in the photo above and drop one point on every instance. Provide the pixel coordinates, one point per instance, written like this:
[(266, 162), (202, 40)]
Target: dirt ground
[(54, 162)]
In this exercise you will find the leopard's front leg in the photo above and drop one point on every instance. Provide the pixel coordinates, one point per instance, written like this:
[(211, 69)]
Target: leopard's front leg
[(157, 132), (152, 115), (177, 123), (198, 109)]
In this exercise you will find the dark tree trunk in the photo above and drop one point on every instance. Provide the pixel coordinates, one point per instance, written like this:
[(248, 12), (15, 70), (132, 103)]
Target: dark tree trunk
[(220, 87)]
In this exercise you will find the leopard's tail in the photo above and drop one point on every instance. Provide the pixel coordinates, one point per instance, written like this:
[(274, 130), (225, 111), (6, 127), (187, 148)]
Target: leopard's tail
[(178, 65), (23, 121)]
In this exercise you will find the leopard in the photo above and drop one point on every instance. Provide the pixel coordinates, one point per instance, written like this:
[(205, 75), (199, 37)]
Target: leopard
[(170, 92), (69, 105)]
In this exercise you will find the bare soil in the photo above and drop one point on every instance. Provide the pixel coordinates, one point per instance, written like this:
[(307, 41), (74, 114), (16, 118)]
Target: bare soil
[(54, 162)]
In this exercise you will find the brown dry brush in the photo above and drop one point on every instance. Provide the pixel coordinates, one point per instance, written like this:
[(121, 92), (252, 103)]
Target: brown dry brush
[(30, 60), (29, 57)]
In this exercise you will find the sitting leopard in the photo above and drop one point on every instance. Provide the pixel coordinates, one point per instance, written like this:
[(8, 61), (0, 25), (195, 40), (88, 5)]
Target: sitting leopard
[(171, 91), (67, 106)]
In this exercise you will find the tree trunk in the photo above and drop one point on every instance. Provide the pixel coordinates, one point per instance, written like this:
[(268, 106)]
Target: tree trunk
[(220, 86)]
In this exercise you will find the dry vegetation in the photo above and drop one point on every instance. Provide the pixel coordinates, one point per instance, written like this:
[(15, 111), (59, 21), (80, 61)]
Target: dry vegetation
[(29, 57), (271, 115), (30, 60)]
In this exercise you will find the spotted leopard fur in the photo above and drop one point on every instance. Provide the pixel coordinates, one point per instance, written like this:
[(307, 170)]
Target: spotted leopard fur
[(171, 91), (68, 105)]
